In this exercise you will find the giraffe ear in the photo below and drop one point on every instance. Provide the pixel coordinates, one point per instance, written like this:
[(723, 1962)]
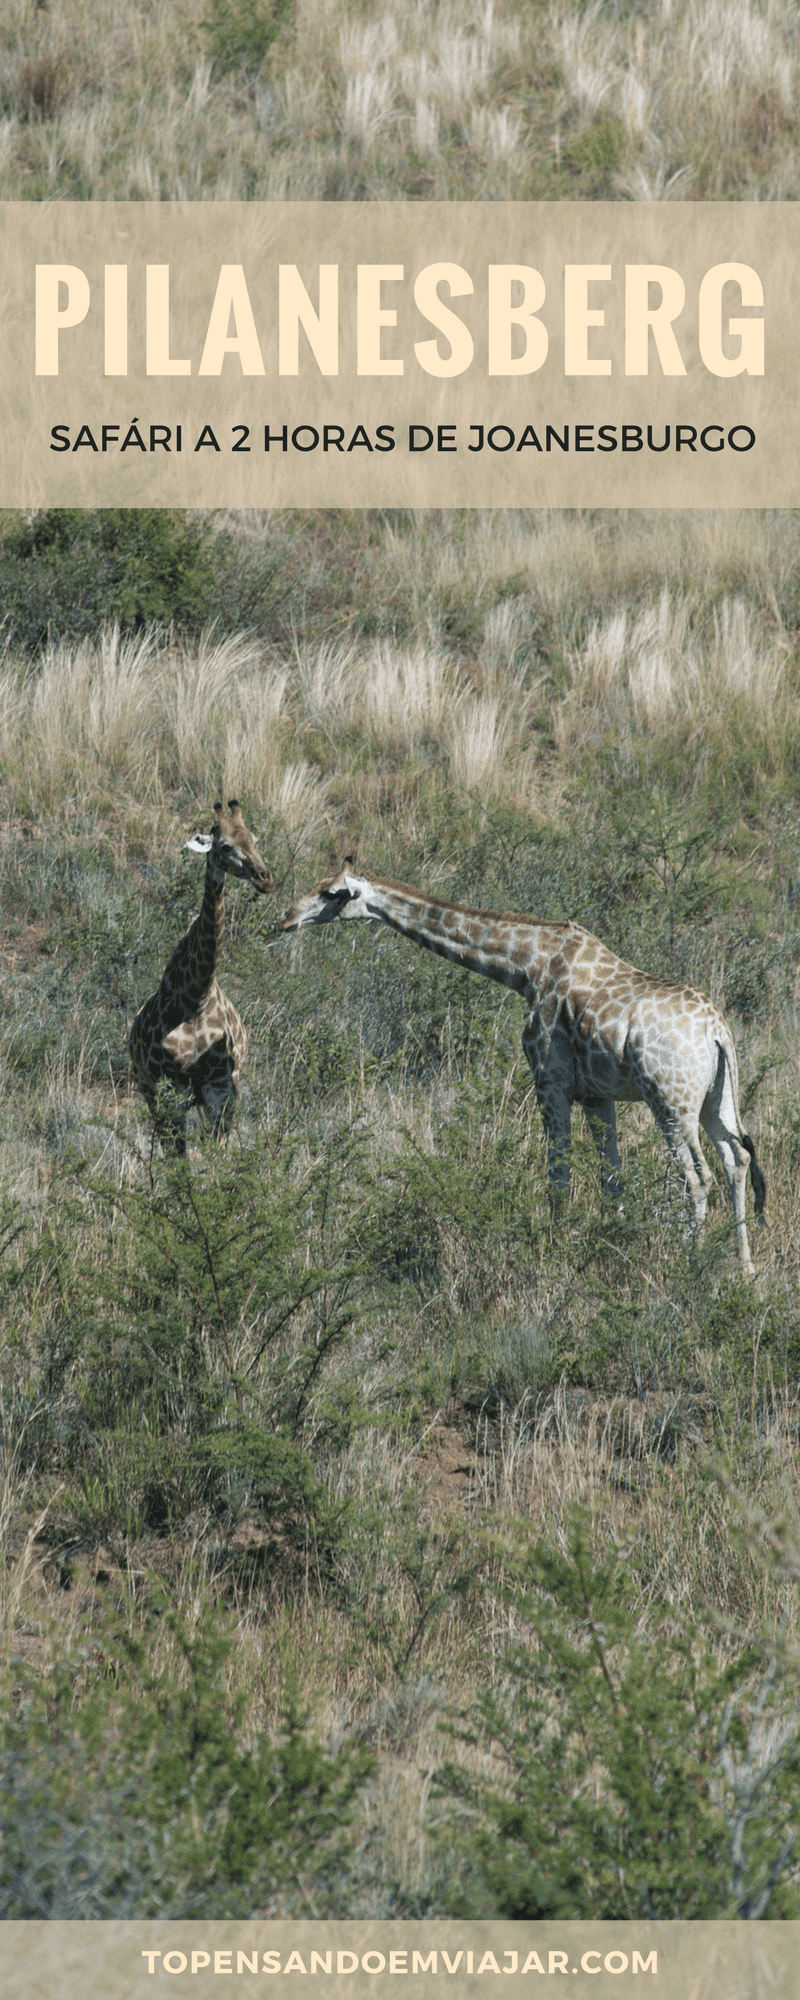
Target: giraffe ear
[(200, 843)]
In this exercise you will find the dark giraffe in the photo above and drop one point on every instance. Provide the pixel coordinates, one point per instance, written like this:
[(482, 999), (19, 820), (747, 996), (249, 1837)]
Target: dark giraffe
[(188, 1034)]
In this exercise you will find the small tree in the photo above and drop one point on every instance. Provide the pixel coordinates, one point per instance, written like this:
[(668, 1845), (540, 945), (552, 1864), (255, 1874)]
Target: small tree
[(643, 1781), (139, 1795)]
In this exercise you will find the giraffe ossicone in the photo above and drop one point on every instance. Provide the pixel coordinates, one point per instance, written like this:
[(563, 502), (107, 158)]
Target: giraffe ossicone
[(188, 1035), (598, 1031)]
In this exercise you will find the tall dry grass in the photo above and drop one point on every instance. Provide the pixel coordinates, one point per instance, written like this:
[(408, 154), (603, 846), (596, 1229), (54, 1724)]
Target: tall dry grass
[(509, 625), (149, 103), (408, 695), (656, 668)]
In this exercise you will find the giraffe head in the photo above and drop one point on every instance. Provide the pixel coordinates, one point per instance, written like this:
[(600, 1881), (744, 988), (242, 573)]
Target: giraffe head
[(344, 895), (232, 848)]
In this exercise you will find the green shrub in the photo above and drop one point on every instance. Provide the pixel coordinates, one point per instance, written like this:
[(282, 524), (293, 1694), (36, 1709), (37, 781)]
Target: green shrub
[(241, 32), (193, 1354), (642, 1780), (66, 571), (140, 1797)]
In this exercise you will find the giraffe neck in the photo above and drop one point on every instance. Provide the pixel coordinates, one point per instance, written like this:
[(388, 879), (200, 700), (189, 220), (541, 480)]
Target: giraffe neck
[(193, 965), (503, 948), (210, 936)]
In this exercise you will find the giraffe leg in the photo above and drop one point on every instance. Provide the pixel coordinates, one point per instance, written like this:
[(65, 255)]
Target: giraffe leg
[(552, 1075), (555, 1108), (168, 1108), (683, 1141), (601, 1114), (735, 1162), (178, 1133), (719, 1119), (215, 1081), (685, 1150)]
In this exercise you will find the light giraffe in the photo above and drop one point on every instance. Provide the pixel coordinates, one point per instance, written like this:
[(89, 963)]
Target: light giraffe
[(597, 1030), (188, 1034)]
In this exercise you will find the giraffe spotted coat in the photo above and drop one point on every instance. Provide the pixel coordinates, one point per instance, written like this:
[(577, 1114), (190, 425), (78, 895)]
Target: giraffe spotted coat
[(598, 1030), (188, 1034)]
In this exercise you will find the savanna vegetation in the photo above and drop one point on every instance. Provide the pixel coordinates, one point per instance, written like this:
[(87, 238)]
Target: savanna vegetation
[(370, 1544), (348, 100)]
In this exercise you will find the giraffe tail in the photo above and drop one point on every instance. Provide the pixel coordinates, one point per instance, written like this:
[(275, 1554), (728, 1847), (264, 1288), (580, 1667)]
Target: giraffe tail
[(757, 1178)]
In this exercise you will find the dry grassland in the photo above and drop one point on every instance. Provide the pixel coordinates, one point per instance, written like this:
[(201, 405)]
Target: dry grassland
[(571, 714), (575, 714), (668, 99)]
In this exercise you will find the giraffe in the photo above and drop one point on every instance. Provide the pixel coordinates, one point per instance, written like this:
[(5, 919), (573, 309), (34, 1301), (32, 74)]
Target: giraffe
[(188, 1033), (597, 1030)]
